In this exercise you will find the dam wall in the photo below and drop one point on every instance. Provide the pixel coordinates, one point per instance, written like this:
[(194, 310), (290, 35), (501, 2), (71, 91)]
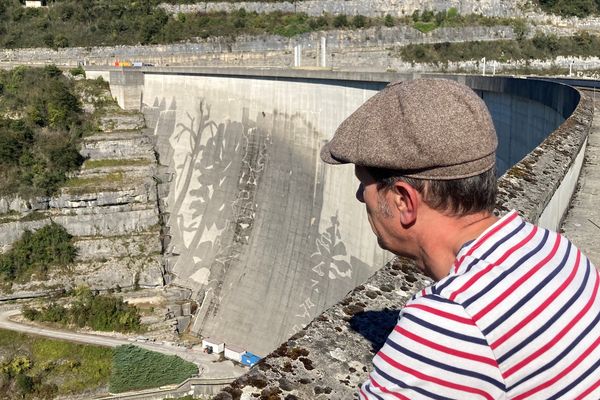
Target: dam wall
[(265, 235)]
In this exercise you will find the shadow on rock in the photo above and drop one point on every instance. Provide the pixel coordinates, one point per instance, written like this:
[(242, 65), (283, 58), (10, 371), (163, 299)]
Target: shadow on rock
[(375, 326)]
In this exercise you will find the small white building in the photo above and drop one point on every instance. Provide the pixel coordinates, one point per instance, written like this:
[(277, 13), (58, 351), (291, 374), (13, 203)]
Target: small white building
[(215, 345), (34, 3), (234, 353)]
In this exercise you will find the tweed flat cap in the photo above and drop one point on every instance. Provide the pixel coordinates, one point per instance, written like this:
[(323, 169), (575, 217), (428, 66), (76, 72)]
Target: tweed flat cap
[(424, 128)]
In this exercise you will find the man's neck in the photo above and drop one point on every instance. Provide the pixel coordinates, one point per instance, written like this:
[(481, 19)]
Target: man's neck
[(440, 246)]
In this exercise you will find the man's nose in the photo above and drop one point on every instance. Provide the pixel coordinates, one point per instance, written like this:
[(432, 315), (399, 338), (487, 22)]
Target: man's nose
[(359, 193)]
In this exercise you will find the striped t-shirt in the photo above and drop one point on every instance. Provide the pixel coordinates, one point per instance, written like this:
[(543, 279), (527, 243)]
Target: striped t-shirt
[(518, 317)]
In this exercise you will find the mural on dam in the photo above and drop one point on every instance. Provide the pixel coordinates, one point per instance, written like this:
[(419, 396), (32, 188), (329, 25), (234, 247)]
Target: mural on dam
[(253, 235)]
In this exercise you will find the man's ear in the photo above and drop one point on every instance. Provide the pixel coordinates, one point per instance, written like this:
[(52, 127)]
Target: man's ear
[(407, 201)]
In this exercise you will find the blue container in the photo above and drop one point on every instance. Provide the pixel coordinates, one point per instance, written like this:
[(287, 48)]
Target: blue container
[(250, 359)]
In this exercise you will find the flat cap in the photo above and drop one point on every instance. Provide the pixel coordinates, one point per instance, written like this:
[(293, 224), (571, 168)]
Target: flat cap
[(424, 128)]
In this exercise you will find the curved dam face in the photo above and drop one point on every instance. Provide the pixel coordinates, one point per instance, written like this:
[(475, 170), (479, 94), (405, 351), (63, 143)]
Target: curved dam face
[(264, 234)]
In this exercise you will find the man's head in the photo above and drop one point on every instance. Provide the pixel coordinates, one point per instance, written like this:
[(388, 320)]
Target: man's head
[(423, 143)]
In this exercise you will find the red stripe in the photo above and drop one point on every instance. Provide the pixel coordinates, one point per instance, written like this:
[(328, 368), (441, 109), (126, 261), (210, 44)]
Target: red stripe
[(562, 374), (588, 391), (541, 308), (559, 336), (509, 218), (441, 382), (518, 282), (440, 313), (363, 394), (444, 349), (487, 269), (384, 390)]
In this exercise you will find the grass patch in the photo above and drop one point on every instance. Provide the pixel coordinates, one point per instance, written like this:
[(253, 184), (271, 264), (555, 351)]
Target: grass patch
[(135, 368), (53, 367), (425, 27), (96, 182), (91, 164)]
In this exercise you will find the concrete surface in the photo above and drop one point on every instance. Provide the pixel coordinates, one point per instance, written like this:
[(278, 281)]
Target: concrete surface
[(265, 234), (582, 223)]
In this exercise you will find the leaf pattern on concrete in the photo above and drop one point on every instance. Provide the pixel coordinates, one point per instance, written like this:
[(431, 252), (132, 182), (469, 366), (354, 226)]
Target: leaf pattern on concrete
[(330, 254)]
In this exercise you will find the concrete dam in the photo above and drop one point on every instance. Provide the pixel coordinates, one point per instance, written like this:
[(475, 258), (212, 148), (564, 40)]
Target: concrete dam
[(262, 233)]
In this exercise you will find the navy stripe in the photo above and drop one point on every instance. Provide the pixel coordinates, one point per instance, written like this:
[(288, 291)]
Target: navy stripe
[(367, 388), (531, 293), (509, 271), (576, 296), (443, 331), (441, 287), (437, 288), (562, 355), (577, 380), (417, 389), (440, 299), (445, 367)]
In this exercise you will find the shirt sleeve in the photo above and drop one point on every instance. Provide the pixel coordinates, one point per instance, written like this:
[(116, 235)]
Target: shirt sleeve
[(436, 351)]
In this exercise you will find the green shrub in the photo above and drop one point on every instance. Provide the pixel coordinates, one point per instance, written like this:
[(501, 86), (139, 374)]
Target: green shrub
[(388, 21), (135, 368), (35, 253), (340, 21), (359, 21), (79, 71)]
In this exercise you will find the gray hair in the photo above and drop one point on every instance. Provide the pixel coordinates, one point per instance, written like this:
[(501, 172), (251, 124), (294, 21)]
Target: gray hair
[(454, 196)]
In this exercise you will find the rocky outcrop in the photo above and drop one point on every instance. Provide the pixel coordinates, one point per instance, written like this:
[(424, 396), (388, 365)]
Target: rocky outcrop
[(110, 207)]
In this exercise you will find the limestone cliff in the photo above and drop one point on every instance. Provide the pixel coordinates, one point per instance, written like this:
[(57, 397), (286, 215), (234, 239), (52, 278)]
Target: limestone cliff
[(110, 207)]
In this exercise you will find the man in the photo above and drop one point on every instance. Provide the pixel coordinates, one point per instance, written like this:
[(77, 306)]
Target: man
[(515, 310)]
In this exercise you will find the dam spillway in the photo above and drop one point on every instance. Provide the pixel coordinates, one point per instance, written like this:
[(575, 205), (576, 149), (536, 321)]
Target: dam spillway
[(263, 234)]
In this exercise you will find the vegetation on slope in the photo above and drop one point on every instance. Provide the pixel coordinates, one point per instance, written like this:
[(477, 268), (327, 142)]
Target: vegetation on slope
[(37, 368), (40, 122), (36, 253), (577, 8), (68, 23), (539, 47), (135, 368), (96, 311)]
